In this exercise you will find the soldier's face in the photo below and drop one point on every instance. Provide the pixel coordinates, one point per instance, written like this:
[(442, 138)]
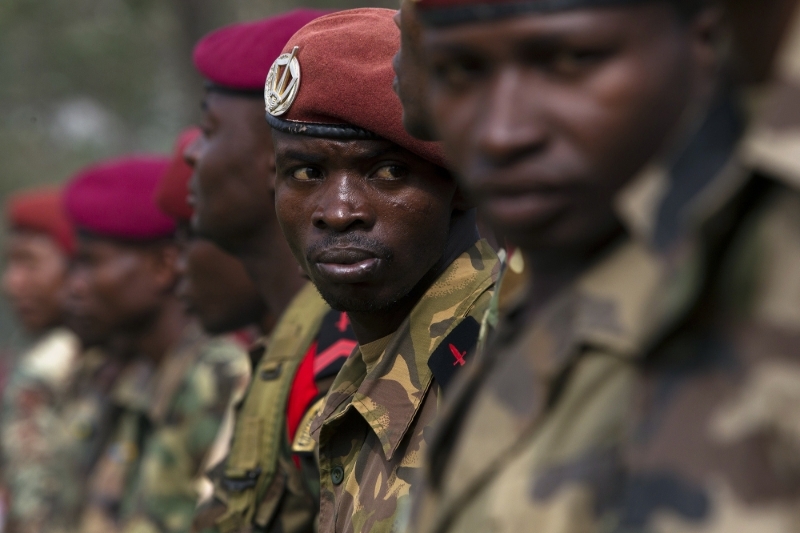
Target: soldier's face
[(367, 220), (116, 288), (410, 82), (215, 287), (233, 169), (33, 279), (546, 117)]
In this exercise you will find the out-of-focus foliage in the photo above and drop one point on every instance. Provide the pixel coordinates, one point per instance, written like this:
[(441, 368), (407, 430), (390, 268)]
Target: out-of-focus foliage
[(86, 79)]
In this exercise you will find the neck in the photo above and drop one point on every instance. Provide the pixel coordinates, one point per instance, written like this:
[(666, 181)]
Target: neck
[(272, 267), (551, 272), (373, 325), (163, 332)]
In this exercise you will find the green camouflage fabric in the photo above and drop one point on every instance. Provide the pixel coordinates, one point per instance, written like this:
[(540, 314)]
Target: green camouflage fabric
[(691, 423), (259, 487), (43, 490), (168, 421), (375, 426)]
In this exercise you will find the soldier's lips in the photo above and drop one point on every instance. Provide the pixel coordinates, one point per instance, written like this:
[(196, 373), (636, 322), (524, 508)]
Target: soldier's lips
[(347, 265)]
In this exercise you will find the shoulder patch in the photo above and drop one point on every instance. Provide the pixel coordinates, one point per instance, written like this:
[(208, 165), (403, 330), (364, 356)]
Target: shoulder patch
[(335, 343), (454, 350)]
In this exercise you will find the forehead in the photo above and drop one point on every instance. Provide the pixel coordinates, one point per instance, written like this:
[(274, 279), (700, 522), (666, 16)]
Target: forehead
[(552, 28)]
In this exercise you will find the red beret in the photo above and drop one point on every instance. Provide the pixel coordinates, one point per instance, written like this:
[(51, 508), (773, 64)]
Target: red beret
[(173, 189), (451, 12), (115, 199), (42, 210), (343, 80), (238, 56)]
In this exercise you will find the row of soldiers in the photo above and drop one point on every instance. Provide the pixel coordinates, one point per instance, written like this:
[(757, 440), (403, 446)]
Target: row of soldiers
[(625, 360)]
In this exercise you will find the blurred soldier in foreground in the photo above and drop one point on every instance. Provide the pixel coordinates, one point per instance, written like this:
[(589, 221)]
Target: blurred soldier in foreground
[(168, 404), (39, 249), (382, 230), (260, 486), (552, 113)]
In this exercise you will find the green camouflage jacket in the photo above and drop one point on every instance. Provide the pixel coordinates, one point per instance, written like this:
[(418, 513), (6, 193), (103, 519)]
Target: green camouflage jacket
[(151, 470), (270, 480), (690, 424), (375, 424), (44, 491)]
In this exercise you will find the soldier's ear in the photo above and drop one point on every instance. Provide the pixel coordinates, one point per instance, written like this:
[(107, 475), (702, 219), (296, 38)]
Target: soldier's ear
[(166, 266)]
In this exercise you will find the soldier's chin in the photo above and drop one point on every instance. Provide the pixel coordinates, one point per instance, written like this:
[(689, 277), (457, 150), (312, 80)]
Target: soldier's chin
[(355, 301)]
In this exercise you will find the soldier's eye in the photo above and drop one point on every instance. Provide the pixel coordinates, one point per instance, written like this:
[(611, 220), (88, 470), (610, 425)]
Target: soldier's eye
[(458, 73), (307, 174), (390, 172), (573, 62)]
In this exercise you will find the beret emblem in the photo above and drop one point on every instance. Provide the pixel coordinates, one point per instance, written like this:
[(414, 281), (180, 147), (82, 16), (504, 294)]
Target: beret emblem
[(283, 82)]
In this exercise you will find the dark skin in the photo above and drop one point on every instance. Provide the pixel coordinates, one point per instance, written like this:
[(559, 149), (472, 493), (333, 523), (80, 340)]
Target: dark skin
[(758, 29), (127, 291), (215, 287), (547, 117), (36, 269), (410, 81), (372, 224), (232, 187)]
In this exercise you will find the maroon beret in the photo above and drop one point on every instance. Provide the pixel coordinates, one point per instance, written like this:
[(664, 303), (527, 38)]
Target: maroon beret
[(42, 210), (452, 12), (339, 83), (238, 56), (173, 190), (115, 199)]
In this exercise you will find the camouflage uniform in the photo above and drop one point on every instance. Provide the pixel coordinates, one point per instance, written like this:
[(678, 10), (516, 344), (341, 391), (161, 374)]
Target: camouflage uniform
[(149, 474), (269, 481), (664, 397), (41, 487), (378, 415)]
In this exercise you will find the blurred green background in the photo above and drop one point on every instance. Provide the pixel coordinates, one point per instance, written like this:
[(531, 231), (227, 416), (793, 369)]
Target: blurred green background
[(82, 80)]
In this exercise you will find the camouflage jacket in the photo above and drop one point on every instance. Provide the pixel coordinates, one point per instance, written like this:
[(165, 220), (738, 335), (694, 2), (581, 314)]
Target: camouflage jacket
[(43, 489), (269, 482), (377, 418), (150, 472), (691, 423)]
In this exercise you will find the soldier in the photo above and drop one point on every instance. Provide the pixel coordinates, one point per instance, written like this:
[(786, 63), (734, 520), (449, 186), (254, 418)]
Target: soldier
[(39, 249), (214, 285), (169, 402), (383, 232), (565, 120), (260, 487)]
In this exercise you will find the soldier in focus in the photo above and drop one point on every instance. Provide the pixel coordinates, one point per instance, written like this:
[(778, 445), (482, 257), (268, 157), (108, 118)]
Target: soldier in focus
[(41, 242), (260, 486), (382, 230), (169, 401)]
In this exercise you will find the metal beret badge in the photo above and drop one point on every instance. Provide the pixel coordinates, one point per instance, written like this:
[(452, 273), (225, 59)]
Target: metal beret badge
[(283, 82)]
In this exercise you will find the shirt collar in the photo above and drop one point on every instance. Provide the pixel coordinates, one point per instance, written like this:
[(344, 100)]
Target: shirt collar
[(602, 310), (389, 397)]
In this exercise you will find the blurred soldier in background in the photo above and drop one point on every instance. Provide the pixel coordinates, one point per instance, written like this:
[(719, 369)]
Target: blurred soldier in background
[(168, 404), (38, 254), (214, 286), (381, 228), (260, 485)]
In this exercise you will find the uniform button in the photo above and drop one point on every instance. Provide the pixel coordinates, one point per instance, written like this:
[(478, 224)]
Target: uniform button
[(337, 475)]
